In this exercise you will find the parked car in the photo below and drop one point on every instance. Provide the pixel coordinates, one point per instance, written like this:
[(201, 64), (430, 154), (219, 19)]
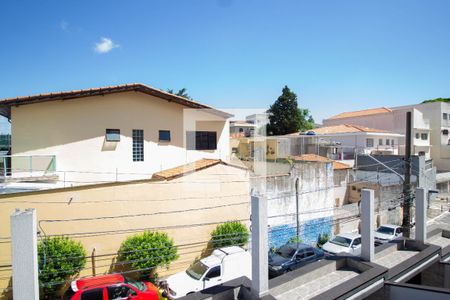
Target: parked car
[(292, 256), (222, 265), (386, 233), (112, 287), (344, 242)]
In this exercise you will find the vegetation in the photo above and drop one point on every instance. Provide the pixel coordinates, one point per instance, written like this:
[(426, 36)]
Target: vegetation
[(437, 100), (229, 233), (59, 259), (286, 117), (295, 239), (322, 239), (182, 93), (146, 251)]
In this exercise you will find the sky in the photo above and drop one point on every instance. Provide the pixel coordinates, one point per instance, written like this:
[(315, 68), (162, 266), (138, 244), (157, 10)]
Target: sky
[(236, 54)]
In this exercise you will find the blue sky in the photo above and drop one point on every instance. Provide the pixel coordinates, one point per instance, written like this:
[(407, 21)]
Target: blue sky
[(336, 55)]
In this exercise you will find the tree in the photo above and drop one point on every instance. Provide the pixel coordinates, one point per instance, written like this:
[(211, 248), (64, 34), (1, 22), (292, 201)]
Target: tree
[(286, 117), (146, 251), (59, 259), (437, 100), (182, 93), (229, 234)]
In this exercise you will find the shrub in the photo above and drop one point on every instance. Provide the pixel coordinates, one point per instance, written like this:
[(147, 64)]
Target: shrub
[(322, 239), (295, 239), (228, 234), (59, 259), (147, 251)]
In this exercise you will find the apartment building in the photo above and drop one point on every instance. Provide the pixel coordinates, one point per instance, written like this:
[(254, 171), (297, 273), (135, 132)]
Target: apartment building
[(117, 133)]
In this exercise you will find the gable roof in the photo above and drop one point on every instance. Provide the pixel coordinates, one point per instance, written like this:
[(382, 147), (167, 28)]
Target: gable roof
[(189, 168), (360, 113), (346, 128), (317, 158), (5, 104)]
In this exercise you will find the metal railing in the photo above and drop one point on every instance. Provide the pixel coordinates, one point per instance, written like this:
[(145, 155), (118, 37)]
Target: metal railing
[(27, 165)]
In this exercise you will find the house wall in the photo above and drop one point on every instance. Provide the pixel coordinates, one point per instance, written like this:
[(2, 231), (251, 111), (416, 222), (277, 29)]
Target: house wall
[(74, 131), (222, 186)]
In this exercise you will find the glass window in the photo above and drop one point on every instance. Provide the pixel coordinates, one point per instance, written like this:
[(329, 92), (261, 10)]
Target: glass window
[(417, 135), (380, 142), (369, 142), (309, 253), (214, 272), (392, 142), (286, 251), (398, 230), (341, 241), (164, 135), (196, 270), (138, 145), (388, 142), (444, 116), (201, 140), (424, 136), (120, 292), (357, 242), (94, 294), (113, 135), (445, 131), (385, 230)]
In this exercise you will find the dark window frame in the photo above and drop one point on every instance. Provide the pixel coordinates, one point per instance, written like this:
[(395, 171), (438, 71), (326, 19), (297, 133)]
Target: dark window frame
[(164, 132), (138, 145), (201, 140), (110, 131), (422, 135)]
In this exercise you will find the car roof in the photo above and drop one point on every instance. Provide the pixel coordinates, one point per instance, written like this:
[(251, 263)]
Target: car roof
[(389, 226), (99, 281), (349, 235), (298, 246)]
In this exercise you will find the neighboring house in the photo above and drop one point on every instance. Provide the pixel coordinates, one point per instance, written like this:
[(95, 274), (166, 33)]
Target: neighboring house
[(260, 120), (392, 120), (242, 129), (108, 134), (350, 139)]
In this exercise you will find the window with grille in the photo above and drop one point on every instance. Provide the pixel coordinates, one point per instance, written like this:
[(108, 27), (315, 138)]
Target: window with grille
[(201, 140), (138, 145), (369, 142)]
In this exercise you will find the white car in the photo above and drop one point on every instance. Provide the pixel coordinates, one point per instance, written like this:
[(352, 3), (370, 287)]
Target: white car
[(386, 233), (222, 265), (344, 242)]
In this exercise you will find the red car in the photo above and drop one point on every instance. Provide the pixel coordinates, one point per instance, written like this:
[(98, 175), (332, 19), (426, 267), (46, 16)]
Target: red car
[(112, 287)]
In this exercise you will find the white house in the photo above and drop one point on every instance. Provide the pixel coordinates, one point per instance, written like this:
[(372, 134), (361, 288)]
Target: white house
[(393, 120), (114, 133), (260, 120), (242, 129), (349, 139)]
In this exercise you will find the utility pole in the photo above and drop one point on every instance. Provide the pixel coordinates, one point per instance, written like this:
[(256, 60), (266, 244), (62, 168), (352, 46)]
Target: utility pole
[(406, 224)]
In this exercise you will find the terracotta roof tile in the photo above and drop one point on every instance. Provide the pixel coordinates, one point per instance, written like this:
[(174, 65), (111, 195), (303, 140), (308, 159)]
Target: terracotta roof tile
[(344, 128), (317, 158), (360, 113)]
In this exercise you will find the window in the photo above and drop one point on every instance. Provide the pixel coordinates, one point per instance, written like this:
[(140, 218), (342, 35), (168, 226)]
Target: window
[(164, 135), (138, 145), (119, 292), (387, 142), (309, 253), (357, 242), (417, 135), (398, 230), (424, 136), (380, 142), (369, 142), (444, 116), (214, 272), (392, 142), (201, 140), (445, 132), (94, 294), (113, 135)]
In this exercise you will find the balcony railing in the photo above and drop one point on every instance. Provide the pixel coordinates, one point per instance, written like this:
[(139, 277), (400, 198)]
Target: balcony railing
[(27, 165)]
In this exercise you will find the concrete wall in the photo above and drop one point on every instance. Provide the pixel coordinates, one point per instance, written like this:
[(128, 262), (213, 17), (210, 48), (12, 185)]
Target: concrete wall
[(220, 186), (74, 131)]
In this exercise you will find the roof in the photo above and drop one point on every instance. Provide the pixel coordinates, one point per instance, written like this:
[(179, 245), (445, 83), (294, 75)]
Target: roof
[(361, 113), (346, 128), (5, 104), (317, 158), (189, 168), (241, 123), (350, 235)]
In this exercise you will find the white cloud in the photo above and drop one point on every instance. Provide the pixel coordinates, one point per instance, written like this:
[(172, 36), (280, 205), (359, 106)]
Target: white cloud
[(64, 25), (105, 45)]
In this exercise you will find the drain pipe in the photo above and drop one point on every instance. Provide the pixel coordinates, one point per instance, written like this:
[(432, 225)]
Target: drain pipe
[(296, 207)]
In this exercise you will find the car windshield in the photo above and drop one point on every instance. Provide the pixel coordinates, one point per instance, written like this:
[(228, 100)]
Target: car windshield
[(286, 251), (385, 230), (196, 270), (341, 241), (137, 284)]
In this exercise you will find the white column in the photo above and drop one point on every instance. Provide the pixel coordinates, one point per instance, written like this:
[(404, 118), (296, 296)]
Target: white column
[(260, 247), (421, 214), (24, 255), (367, 221)]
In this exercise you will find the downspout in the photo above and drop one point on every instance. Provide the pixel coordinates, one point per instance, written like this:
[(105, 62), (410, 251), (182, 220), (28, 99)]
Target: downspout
[(296, 207)]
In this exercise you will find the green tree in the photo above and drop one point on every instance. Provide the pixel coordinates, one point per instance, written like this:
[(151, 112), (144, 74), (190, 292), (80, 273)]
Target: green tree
[(182, 93), (286, 117), (229, 234), (59, 259), (437, 100), (146, 251)]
